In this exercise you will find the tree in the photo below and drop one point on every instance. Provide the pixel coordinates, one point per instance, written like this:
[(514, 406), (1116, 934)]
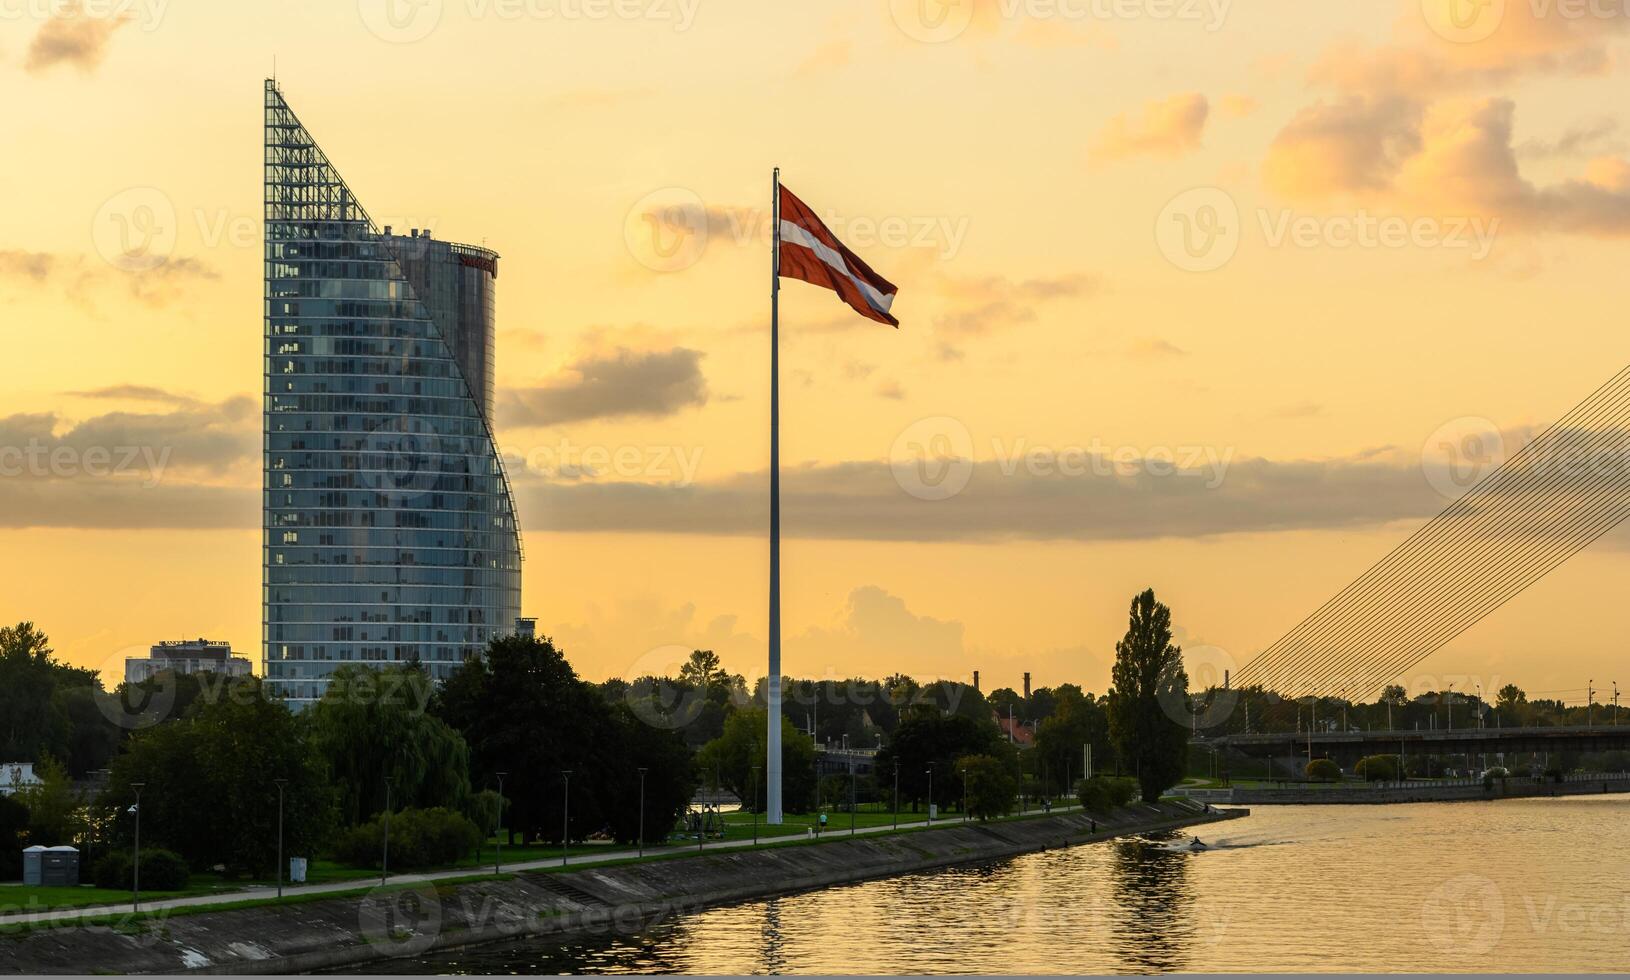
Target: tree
[(1148, 679), (32, 719), (371, 726), (53, 806), (990, 784), (700, 669), (209, 793), (1077, 720), (741, 747), (1510, 696), (926, 739), (523, 710)]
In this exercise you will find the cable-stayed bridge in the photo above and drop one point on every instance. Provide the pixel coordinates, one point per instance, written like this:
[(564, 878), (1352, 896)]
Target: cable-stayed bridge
[(1562, 491)]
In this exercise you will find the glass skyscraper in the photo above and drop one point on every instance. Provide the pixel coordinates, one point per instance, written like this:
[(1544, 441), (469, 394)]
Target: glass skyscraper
[(390, 533)]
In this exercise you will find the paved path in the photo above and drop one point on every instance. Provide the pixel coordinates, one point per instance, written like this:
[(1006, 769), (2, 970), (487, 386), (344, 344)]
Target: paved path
[(593, 855)]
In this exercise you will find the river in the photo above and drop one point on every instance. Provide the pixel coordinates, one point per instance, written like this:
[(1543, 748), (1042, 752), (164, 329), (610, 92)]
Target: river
[(1513, 885)]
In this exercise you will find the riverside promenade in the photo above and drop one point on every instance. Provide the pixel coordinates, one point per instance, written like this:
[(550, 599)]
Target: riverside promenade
[(414, 914)]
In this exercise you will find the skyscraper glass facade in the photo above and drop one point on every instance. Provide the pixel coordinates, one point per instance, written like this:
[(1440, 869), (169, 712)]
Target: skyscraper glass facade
[(390, 532)]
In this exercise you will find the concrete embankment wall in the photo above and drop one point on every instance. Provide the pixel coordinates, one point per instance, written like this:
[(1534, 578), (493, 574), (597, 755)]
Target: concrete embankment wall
[(390, 922), (1502, 789)]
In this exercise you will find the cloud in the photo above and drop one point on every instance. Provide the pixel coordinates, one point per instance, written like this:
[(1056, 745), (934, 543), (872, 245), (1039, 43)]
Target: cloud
[(80, 278), (1089, 495), (1410, 129), (1352, 145), (982, 305), (130, 469), (1237, 106), (620, 384), (1580, 139), (72, 38), (890, 389), (136, 393), (1154, 348), (1169, 128), (876, 626)]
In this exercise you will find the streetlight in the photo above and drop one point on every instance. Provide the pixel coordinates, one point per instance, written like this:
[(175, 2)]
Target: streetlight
[(964, 774), (385, 855), (896, 794), (755, 805), (498, 825), (851, 797), (135, 870), (280, 784), (930, 792), (566, 817), (1590, 702), (643, 771)]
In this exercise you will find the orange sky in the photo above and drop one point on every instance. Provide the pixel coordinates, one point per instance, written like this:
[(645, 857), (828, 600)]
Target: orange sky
[(1203, 290)]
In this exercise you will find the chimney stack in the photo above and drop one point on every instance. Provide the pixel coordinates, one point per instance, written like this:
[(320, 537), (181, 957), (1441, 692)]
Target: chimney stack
[(976, 680)]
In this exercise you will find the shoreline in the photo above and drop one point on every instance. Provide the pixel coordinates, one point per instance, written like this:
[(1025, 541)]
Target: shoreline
[(1507, 789), (409, 920)]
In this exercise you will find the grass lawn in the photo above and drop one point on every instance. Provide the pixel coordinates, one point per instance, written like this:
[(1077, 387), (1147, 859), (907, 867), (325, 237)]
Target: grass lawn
[(738, 827)]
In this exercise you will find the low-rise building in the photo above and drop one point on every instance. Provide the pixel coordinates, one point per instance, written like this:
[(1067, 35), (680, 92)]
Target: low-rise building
[(15, 776), (186, 657)]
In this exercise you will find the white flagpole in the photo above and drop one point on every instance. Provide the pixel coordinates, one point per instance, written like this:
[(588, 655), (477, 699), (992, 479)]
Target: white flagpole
[(772, 762)]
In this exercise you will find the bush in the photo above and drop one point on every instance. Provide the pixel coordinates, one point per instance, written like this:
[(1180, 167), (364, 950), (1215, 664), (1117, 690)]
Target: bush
[(1374, 767), (161, 871), (436, 837), (1101, 794), (1322, 771)]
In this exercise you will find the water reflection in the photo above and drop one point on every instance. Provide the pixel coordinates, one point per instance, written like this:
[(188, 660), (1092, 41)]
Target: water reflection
[(1155, 926), (1292, 889)]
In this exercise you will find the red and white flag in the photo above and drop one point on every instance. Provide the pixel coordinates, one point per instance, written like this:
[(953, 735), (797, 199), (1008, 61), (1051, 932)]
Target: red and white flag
[(809, 251)]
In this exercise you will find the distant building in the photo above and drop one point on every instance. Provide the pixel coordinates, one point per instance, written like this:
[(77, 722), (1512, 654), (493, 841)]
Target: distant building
[(526, 628), (187, 657), (16, 775)]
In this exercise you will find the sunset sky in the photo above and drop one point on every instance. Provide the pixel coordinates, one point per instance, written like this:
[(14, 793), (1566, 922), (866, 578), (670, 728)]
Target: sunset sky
[(1215, 295)]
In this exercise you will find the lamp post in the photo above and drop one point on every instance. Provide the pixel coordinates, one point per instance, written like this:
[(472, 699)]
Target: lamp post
[(385, 853), (135, 870), (1590, 702), (930, 793), (964, 774), (896, 794), (851, 798), (565, 816), (754, 795), (498, 826), (280, 784), (643, 771)]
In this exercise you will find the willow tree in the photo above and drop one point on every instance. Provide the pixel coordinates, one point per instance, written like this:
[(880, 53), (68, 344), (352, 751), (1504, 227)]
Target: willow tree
[(1149, 695)]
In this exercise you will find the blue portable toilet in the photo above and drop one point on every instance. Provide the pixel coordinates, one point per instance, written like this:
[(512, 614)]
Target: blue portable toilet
[(59, 866), (33, 860)]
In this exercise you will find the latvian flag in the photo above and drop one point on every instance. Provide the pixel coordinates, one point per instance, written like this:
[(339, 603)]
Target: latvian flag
[(809, 251)]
